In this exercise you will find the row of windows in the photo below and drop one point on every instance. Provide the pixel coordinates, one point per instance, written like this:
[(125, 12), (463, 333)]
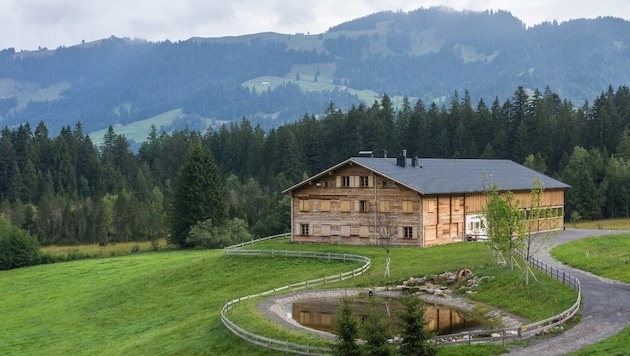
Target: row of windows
[(353, 182), (406, 232), (345, 206)]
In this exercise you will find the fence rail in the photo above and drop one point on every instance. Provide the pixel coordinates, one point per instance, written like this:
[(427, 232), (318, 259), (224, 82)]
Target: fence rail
[(281, 345), (497, 335), (561, 276)]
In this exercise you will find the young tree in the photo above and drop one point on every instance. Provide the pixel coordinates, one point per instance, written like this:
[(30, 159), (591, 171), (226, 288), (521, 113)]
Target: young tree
[(414, 337), (541, 226), (197, 195), (386, 231), (504, 219), (377, 331), (347, 327)]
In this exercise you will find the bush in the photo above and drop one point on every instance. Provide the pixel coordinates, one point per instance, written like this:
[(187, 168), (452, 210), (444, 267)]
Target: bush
[(17, 247), (204, 234)]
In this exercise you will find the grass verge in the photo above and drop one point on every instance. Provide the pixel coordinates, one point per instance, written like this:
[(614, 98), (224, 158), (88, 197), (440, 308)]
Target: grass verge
[(613, 346), (606, 256)]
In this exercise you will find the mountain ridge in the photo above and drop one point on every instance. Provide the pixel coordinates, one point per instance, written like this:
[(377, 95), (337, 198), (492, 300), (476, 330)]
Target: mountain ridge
[(273, 78)]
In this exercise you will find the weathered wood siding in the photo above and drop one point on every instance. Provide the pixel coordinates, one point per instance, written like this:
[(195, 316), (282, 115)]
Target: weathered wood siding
[(349, 205), (352, 204)]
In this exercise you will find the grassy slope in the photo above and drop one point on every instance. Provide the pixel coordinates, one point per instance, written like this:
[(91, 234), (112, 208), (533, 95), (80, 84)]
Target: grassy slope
[(169, 302), (154, 303), (139, 130), (617, 345), (606, 256)]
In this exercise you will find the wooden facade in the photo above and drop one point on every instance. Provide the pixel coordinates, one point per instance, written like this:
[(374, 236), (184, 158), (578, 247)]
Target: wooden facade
[(350, 204)]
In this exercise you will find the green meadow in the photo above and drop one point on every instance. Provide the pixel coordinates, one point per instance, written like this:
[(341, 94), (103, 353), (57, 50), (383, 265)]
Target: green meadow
[(168, 302), (606, 256)]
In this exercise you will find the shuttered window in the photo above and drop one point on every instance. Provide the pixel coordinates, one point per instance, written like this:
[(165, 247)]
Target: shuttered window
[(407, 206)]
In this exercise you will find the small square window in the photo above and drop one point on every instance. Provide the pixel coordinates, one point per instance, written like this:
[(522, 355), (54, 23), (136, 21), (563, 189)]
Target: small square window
[(305, 229), (384, 184), (408, 232)]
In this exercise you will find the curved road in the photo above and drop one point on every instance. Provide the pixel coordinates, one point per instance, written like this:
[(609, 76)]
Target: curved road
[(606, 305)]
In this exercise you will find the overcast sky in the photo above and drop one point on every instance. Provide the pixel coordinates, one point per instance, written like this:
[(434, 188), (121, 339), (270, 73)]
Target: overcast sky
[(29, 24)]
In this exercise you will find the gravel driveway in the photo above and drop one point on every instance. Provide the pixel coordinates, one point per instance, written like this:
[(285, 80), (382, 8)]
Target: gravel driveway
[(606, 306)]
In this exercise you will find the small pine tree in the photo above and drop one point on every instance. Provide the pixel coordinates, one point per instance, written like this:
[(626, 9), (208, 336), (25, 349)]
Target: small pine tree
[(377, 331), (414, 336), (347, 327)]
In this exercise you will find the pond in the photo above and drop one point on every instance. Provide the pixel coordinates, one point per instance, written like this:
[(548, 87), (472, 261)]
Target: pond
[(320, 314)]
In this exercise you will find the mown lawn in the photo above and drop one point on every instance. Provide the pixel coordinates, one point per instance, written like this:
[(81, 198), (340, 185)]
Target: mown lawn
[(169, 302), (606, 256), (150, 304)]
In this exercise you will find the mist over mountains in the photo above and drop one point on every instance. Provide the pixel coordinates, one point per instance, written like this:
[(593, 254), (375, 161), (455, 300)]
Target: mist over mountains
[(272, 78)]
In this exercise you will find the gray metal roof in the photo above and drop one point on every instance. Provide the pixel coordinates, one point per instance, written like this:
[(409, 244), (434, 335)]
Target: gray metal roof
[(442, 176)]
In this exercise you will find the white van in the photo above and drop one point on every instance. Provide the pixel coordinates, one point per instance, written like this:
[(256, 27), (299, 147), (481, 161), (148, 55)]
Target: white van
[(476, 227)]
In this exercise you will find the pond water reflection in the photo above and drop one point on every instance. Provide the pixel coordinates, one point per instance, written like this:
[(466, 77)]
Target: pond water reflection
[(320, 314)]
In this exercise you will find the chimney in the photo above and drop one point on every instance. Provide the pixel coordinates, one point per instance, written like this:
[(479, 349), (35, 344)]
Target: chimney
[(414, 161), (384, 153), (369, 154), (401, 160)]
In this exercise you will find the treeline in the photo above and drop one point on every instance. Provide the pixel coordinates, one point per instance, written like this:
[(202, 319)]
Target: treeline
[(67, 190)]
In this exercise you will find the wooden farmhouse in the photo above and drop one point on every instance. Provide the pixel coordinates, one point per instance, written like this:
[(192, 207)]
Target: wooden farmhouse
[(418, 202)]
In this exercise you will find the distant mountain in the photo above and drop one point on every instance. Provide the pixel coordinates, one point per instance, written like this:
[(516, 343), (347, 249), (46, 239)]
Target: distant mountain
[(273, 78)]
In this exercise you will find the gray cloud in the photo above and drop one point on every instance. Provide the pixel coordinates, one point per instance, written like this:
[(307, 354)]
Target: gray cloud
[(27, 24)]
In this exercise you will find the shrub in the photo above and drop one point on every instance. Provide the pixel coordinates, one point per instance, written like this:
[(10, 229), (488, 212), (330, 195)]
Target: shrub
[(17, 247), (206, 235)]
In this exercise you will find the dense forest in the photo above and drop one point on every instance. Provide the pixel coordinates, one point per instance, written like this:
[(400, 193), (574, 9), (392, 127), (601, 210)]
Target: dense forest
[(66, 190), (425, 53)]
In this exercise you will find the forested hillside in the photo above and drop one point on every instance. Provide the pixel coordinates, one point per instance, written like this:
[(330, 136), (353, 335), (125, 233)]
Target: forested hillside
[(67, 190), (275, 78)]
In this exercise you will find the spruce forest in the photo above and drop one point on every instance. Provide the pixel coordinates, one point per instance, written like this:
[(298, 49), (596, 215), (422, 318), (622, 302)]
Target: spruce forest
[(67, 190)]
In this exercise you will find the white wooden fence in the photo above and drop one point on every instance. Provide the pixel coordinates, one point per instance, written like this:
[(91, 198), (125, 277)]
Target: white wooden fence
[(497, 335)]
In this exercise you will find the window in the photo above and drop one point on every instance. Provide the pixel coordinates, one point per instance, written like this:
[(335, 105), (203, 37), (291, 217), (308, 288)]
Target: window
[(431, 206), (407, 206), (364, 181), (364, 206), (408, 232), (305, 205), (345, 206), (324, 205), (345, 231), (456, 204), (364, 231), (345, 181), (304, 229), (325, 230), (383, 206), (384, 184)]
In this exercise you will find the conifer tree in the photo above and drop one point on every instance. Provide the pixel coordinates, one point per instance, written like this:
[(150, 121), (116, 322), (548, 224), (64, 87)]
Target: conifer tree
[(347, 327), (414, 336), (377, 331), (197, 194)]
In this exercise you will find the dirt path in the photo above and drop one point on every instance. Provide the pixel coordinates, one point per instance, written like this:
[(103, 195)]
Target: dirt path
[(606, 306)]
